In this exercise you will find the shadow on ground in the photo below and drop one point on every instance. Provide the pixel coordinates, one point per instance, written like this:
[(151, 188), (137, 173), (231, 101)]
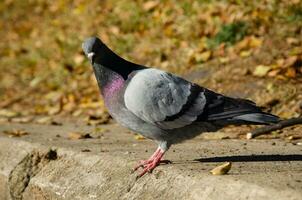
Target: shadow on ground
[(253, 158)]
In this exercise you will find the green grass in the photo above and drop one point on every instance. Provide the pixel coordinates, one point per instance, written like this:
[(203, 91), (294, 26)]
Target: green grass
[(229, 34)]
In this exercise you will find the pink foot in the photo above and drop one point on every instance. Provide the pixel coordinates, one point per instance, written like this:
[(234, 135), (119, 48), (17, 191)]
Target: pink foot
[(151, 163)]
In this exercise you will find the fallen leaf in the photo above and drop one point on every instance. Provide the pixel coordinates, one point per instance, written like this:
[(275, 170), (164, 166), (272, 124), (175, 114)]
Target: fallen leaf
[(99, 130), (55, 109), (4, 120), (15, 133), (44, 120), (296, 51), (8, 113), (25, 119), (222, 169), (224, 59), (290, 61), (115, 30), (77, 113), (292, 41), (139, 137), (245, 54), (293, 137), (274, 72), (203, 57), (104, 118), (291, 72), (149, 5), (261, 70), (78, 135), (255, 42), (78, 59)]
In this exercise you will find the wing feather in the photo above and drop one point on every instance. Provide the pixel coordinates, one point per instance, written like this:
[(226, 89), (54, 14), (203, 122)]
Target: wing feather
[(163, 99)]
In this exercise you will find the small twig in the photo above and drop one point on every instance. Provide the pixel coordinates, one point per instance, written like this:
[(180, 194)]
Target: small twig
[(278, 126)]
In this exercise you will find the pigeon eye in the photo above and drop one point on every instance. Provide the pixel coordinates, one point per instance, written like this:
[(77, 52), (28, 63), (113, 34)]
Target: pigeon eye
[(91, 56)]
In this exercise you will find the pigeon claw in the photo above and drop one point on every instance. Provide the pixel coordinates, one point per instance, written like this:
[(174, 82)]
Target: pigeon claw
[(151, 163)]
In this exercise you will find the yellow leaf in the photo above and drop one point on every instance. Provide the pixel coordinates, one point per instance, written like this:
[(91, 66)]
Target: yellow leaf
[(224, 59), (261, 70), (222, 169), (255, 42), (245, 53), (139, 137), (203, 57), (8, 113)]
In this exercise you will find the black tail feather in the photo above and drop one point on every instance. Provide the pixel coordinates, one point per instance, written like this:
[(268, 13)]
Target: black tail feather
[(225, 110)]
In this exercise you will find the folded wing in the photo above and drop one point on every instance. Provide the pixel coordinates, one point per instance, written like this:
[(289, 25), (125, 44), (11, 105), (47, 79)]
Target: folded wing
[(163, 99)]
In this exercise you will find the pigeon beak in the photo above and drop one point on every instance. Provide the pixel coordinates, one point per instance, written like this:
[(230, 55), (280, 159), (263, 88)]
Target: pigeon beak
[(90, 56)]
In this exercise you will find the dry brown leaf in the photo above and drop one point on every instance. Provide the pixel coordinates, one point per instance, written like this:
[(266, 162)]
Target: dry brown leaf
[(292, 41), (103, 118), (115, 30), (54, 110), (222, 169), (78, 59), (291, 72), (44, 120), (78, 135), (24, 119), (274, 72), (4, 120), (15, 133), (290, 61), (77, 113), (149, 5)]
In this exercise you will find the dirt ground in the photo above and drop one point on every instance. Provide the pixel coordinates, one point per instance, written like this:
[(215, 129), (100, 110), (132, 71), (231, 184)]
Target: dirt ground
[(99, 166)]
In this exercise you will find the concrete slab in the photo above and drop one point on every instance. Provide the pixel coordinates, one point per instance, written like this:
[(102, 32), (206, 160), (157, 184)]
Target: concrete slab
[(45, 164)]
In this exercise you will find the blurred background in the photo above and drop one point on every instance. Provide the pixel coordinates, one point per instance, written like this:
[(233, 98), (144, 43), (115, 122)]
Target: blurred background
[(247, 49)]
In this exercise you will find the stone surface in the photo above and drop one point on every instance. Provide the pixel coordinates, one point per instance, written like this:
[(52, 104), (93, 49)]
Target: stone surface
[(45, 164)]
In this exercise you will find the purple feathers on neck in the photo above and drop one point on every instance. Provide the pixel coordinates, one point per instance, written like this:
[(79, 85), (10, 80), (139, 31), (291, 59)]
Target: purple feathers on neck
[(113, 86)]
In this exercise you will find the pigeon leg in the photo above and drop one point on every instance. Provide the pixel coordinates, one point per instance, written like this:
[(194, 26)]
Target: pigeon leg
[(142, 163), (152, 162)]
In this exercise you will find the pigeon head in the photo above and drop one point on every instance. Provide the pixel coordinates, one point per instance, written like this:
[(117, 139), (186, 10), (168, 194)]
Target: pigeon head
[(92, 48), (101, 56)]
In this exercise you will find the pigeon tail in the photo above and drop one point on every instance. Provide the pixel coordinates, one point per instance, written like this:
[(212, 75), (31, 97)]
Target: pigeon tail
[(226, 110), (257, 118)]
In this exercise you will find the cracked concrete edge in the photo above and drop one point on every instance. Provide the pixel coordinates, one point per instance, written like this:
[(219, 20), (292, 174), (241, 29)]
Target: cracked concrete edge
[(20, 161), (21, 175), (77, 175)]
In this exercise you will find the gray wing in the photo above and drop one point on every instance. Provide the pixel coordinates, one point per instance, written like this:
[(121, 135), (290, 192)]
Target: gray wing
[(163, 99)]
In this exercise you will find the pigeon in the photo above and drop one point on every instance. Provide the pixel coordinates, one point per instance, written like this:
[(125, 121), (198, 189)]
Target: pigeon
[(162, 106)]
